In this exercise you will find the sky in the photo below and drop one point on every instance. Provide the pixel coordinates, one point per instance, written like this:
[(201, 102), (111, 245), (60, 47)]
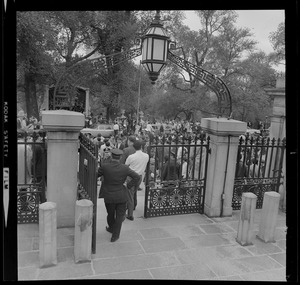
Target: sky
[(260, 23)]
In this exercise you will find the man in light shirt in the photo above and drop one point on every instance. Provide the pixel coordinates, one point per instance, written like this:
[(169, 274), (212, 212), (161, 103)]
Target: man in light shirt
[(138, 163)]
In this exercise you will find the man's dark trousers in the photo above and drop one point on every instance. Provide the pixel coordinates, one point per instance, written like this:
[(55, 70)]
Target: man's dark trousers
[(115, 217), (132, 198)]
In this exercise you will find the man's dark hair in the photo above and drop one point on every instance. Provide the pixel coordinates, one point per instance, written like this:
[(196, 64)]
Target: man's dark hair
[(132, 138), (137, 145)]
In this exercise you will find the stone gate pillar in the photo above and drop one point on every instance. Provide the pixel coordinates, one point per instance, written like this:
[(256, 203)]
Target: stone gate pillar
[(62, 160), (278, 126), (224, 137)]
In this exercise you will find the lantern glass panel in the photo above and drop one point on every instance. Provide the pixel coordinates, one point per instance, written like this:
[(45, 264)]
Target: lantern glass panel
[(144, 49), (148, 67), (158, 49), (157, 67), (149, 49)]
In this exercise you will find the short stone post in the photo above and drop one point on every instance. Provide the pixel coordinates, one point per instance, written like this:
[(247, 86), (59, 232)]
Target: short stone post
[(47, 234), (246, 221), (83, 230), (268, 217)]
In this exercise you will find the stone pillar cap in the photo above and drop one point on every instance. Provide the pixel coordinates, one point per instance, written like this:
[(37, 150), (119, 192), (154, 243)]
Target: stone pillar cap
[(47, 206), (84, 202), (272, 194), (223, 126), (60, 120), (249, 195)]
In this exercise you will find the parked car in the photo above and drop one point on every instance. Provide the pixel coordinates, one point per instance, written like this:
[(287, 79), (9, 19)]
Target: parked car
[(106, 130)]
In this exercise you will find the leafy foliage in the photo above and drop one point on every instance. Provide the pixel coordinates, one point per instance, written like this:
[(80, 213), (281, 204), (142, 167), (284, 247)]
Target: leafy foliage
[(277, 40), (55, 47)]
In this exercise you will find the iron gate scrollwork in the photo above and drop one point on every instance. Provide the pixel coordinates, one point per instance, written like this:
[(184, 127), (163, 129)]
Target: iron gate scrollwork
[(176, 176), (258, 168)]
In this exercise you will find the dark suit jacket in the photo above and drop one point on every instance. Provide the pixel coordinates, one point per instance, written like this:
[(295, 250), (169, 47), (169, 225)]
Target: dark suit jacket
[(126, 152), (121, 146), (171, 170), (114, 175)]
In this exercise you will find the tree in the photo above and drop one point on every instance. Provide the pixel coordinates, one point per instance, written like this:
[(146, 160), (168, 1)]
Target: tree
[(73, 33), (228, 52), (247, 83), (277, 40), (229, 47), (63, 37), (34, 65), (216, 47)]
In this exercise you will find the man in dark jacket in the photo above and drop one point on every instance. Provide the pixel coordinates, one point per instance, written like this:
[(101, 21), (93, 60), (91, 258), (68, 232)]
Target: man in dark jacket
[(128, 150), (114, 191)]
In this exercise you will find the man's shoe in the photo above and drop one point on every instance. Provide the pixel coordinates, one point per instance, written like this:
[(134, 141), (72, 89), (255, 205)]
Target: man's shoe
[(109, 230), (130, 218), (113, 239)]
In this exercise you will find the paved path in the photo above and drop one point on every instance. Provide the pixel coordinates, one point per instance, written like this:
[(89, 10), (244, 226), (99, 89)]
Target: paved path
[(188, 247)]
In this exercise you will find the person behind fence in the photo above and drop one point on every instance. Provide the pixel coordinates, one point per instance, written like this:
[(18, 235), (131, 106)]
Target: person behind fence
[(137, 162), (241, 170), (24, 159), (38, 162), (114, 191), (39, 165), (171, 169)]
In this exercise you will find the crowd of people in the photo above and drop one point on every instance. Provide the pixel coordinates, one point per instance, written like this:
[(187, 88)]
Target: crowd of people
[(28, 124), (123, 158)]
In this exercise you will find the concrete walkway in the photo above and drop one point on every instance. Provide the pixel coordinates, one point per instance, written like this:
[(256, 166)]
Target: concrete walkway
[(187, 247)]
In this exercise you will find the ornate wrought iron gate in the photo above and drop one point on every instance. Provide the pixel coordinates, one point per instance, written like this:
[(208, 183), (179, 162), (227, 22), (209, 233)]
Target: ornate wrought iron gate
[(258, 168), (32, 162), (87, 178), (176, 176)]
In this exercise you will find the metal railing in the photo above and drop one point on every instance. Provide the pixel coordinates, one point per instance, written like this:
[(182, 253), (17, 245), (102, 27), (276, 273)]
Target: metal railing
[(176, 176), (258, 168), (87, 178), (32, 173)]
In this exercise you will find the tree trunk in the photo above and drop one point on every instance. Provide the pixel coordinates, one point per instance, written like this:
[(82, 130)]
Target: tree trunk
[(30, 97)]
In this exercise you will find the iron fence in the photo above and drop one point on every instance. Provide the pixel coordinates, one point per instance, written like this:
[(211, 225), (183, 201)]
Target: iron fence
[(258, 168), (87, 177), (32, 171)]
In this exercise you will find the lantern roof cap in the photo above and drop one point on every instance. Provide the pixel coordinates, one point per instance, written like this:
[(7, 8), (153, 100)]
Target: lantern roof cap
[(156, 27)]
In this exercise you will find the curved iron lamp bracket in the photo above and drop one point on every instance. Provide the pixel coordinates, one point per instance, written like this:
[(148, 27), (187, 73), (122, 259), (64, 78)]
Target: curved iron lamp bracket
[(101, 63), (215, 83), (116, 58)]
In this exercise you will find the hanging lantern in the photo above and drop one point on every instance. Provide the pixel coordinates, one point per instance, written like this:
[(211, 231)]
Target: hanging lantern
[(155, 48)]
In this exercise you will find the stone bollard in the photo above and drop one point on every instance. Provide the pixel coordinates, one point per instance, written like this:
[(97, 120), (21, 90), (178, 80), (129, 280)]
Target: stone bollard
[(246, 221), (47, 234), (268, 217), (83, 230)]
